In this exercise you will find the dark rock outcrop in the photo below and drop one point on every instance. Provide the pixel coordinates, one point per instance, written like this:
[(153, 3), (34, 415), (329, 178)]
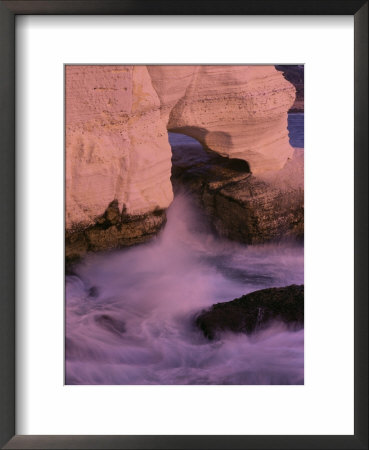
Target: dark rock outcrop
[(255, 311), (241, 206), (112, 230)]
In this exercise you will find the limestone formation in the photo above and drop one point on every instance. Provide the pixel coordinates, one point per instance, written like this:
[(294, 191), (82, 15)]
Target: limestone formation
[(242, 206), (117, 151), (118, 158), (116, 144), (236, 111)]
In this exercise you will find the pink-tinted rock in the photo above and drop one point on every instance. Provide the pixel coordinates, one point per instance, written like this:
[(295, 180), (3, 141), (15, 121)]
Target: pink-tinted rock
[(116, 143), (118, 158), (236, 111)]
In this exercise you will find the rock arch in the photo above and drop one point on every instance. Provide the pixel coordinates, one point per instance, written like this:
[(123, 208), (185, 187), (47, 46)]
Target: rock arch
[(236, 111), (117, 147)]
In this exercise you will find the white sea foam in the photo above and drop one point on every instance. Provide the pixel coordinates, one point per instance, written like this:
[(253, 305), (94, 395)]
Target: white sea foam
[(130, 313)]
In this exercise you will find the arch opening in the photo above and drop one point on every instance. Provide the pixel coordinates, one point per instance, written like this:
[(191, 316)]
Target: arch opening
[(193, 163)]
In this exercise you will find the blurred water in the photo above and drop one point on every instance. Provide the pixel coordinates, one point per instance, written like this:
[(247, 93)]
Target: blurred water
[(130, 313), (296, 129)]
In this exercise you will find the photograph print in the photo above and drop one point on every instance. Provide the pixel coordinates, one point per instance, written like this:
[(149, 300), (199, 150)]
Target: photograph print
[(184, 224)]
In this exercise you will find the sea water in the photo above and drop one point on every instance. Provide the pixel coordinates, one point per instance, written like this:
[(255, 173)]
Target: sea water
[(130, 313)]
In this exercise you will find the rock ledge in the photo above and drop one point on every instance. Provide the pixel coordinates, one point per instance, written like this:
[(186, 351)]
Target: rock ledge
[(255, 311)]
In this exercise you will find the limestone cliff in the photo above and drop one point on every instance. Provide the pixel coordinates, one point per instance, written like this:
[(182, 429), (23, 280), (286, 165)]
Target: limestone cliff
[(118, 158), (116, 143), (236, 111)]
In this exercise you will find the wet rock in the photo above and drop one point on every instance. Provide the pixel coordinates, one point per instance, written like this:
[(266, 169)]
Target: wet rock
[(255, 311), (249, 208), (112, 230)]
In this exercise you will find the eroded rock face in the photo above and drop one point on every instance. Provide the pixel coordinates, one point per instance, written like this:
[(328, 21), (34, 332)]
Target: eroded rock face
[(248, 208), (236, 111), (255, 311), (111, 230), (116, 144), (118, 158)]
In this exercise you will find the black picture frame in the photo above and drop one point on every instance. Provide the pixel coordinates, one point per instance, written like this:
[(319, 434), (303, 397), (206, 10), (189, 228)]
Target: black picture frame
[(8, 12)]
